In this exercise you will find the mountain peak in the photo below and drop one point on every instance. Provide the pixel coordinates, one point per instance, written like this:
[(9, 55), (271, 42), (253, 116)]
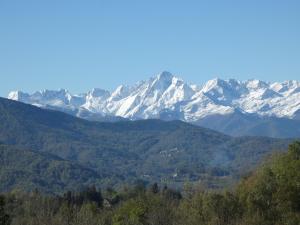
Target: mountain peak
[(166, 79), (98, 92), (161, 82), (213, 83), (165, 94), (165, 75), (17, 95), (255, 84)]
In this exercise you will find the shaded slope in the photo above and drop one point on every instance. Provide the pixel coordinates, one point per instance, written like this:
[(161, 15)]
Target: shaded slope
[(152, 150), (27, 170), (241, 124)]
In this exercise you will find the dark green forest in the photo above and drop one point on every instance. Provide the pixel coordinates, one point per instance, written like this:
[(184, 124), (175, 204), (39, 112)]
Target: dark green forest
[(270, 195), (56, 152)]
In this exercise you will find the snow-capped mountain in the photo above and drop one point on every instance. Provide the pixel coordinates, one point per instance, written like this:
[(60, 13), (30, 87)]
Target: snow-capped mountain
[(168, 97)]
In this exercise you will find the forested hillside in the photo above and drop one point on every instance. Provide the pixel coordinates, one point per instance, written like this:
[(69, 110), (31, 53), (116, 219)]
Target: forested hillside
[(123, 152), (269, 196), (28, 170)]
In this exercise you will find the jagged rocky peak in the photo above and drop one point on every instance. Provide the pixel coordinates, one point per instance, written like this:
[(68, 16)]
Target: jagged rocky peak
[(16, 95), (223, 91), (120, 92), (217, 84), (98, 92), (256, 84), (48, 94), (286, 87), (174, 82), (162, 81), (168, 93), (165, 76)]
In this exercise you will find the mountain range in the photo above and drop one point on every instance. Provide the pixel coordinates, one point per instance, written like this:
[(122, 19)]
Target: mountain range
[(251, 107), (55, 152)]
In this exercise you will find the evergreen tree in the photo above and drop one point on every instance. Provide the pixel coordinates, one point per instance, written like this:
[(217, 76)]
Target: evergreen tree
[(4, 217), (154, 188)]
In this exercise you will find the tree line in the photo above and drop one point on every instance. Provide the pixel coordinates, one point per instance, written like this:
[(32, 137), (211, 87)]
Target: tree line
[(269, 196)]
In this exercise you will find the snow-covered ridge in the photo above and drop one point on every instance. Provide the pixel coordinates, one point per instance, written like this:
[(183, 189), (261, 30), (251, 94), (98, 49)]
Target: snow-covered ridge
[(167, 97)]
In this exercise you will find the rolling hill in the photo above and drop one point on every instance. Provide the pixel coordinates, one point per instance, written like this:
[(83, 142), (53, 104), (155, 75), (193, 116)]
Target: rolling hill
[(171, 152), (28, 170)]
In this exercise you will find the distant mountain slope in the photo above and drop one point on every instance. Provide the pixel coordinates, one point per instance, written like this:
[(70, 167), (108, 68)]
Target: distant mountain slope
[(170, 98), (27, 170), (151, 150), (242, 124)]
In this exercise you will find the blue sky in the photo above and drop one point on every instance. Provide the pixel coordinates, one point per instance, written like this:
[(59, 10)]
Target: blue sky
[(79, 45)]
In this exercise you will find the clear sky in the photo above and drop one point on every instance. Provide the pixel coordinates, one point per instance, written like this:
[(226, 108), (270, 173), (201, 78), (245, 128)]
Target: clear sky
[(79, 45)]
